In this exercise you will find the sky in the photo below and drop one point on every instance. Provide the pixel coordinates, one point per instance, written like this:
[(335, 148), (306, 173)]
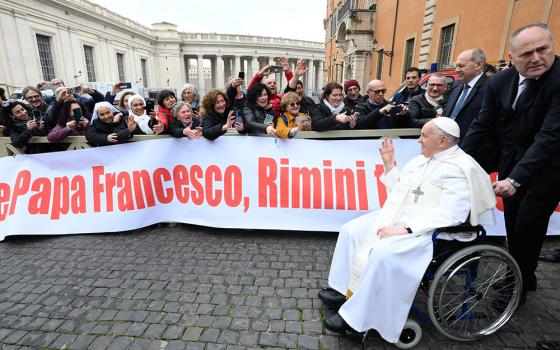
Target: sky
[(293, 19)]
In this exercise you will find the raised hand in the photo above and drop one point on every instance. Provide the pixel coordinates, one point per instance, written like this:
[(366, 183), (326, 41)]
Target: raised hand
[(283, 61), (301, 67), (387, 152)]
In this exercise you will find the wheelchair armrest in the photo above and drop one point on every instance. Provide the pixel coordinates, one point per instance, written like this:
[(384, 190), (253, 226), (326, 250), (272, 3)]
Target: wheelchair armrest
[(464, 227)]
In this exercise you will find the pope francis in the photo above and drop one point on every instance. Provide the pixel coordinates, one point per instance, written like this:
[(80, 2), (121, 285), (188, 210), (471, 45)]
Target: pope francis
[(380, 257)]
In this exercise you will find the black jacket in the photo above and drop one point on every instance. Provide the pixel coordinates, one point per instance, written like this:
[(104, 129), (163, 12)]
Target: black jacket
[(175, 128), (322, 119), (528, 138), (404, 96), (306, 105), (20, 135), (96, 134), (212, 125), (421, 112), (254, 117)]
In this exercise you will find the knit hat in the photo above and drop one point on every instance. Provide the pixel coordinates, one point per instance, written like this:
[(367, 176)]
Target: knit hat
[(350, 83)]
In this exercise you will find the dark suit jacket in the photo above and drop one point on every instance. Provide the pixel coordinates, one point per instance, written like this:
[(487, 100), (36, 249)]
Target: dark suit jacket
[(421, 112), (529, 136), (471, 106)]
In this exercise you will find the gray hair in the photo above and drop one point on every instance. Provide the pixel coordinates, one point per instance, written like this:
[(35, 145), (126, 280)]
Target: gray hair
[(178, 107), (189, 86), (543, 26), (436, 75), (478, 56)]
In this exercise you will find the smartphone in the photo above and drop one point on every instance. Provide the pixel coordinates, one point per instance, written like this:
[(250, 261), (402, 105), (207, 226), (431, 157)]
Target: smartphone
[(297, 120), (125, 85), (77, 114), (238, 117), (350, 111), (37, 115), (268, 119), (76, 89), (149, 106), (276, 69), (241, 75)]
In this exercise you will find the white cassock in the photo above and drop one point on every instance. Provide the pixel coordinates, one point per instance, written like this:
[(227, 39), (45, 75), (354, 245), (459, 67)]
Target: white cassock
[(381, 276)]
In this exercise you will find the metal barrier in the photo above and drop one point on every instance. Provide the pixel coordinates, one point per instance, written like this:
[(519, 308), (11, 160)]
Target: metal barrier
[(80, 142)]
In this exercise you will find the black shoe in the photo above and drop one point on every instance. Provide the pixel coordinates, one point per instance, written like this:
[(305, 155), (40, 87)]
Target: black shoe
[(551, 257), (331, 298), (548, 345), (336, 324)]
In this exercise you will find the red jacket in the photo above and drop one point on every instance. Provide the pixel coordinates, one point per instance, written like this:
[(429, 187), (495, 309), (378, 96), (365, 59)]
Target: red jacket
[(164, 114)]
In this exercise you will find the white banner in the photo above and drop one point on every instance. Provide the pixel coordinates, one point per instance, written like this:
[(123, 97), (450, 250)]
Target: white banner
[(232, 182)]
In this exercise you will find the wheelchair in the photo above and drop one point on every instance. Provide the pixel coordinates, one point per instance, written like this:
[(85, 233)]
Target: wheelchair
[(472, 289)]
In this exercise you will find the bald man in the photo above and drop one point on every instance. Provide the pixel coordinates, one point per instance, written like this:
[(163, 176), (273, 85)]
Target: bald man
[(522, 107), (376, 113)]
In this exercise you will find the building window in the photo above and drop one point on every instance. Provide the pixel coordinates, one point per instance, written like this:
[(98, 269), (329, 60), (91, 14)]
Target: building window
[(408, 55), (333, 24), (120, 66), (90, 67), (379, 64), (144, 65), (445, 44), (45, 55)]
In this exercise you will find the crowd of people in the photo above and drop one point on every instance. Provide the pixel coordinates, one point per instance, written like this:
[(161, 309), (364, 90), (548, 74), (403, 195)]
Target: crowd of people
[(260, 109)]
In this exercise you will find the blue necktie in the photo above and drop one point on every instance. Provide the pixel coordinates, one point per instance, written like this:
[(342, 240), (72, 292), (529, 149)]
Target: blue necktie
[(459, 103)]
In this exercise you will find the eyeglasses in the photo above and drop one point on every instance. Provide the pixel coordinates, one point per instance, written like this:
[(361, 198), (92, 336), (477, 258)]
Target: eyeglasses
[(33, 97), (439, 86), (294, 104), (378, 91)]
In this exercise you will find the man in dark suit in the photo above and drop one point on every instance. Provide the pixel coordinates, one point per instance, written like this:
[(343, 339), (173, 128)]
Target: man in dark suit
[(423, 108), (522, 105), (465, 98)]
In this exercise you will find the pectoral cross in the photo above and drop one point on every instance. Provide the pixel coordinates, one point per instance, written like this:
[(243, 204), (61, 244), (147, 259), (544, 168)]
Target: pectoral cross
[(417, 193)]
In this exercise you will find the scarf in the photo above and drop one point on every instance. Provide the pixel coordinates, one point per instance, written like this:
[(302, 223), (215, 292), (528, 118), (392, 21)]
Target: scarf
[(334, 110), (435, 102)]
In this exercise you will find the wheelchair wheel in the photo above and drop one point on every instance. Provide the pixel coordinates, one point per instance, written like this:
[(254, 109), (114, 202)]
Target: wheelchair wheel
[(474, 292), (410, 335)]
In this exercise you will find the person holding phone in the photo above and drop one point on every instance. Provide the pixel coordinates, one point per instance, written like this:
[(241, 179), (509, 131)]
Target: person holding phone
[(331, 113), (109, 126), (17, 118), (184, 124), (72, 120), (258, 112), (233, 90), (146, 124), (291, 121), (218, 116), (270, 81)]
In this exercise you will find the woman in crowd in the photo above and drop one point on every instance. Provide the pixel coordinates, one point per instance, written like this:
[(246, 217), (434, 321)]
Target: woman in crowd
[(291, 120), (189, 94), (330, 113), (217, 116), (166, 99), (184, 124), (72, 120), (107, 127), (258, 113), (146, 124), (123, 101), (20, 124)]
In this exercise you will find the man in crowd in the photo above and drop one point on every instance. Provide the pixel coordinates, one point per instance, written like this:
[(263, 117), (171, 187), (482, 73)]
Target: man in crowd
[(412, 88), (522, 106), (394, 244), (466, 96), (376, 113), (352, 92), (422, 108)]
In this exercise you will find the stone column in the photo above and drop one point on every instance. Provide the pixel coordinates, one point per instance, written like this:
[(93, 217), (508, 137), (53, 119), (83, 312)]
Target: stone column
[(311, 75), (320, 82), (237, 65), (200, 72), (219, 72), (254, 67)]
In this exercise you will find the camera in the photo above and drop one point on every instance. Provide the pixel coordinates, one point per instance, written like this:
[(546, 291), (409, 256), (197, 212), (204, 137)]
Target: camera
[(125, 85), (396, 108), (276, 69)]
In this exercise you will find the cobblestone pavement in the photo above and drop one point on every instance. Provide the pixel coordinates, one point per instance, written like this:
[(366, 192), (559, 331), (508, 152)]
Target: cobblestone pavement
[(187, 287)]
